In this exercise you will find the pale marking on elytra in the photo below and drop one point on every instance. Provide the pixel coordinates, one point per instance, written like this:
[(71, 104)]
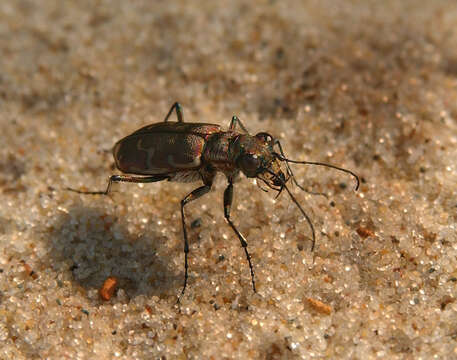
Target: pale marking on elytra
[(194, 163), (149, 150)]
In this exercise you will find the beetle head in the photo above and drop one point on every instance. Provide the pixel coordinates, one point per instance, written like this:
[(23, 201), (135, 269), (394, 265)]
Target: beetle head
[(256, 159)]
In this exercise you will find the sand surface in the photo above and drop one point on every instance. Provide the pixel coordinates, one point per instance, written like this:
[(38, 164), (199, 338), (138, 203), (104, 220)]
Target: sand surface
[(367, 85)]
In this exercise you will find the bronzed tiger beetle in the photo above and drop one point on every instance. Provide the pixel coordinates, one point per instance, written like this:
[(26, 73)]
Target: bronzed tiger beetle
[(188, 152)]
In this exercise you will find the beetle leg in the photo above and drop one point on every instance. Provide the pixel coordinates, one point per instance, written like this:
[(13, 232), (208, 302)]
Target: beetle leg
[(199, 192), (123, 178), (235, 120), (228, 198), (176, 106)]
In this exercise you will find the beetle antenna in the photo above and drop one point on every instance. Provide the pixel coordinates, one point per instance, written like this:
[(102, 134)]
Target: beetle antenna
[(283, 158), (308, 220), (330, 166), (304, 214)]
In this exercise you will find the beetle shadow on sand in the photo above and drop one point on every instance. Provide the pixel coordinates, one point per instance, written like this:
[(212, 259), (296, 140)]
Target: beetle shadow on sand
[(91, 245)]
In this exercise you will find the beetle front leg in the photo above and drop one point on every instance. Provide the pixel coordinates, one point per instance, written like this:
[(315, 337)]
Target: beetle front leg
[(123, 178), (236, 121), (199, 192), (228, 198), (176, 106)]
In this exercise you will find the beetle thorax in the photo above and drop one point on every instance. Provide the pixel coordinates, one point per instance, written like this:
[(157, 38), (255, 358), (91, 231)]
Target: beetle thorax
[(216, 153)]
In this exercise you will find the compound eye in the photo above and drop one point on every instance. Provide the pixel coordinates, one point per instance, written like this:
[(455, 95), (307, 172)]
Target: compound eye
[(265, 137), (250, 164)]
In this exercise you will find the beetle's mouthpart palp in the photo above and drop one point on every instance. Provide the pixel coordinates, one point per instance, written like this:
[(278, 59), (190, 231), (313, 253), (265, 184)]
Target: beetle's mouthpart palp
[(289, 169), (260, 186)]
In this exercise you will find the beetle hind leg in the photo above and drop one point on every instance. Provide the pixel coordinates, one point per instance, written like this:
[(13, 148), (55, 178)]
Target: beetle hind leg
[(122, 178), (228, 198)]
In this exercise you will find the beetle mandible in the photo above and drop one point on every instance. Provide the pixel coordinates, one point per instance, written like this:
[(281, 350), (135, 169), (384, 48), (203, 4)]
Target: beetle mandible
[(188, 152)]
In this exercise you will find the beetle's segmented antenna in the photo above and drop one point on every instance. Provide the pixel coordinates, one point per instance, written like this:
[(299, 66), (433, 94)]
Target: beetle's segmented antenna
[(304, 214), (282, 157), (327, 165), (308, 220)]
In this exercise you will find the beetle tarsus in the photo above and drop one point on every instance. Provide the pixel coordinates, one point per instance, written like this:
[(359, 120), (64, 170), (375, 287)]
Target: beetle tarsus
[(186, 266), (228, 199)]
